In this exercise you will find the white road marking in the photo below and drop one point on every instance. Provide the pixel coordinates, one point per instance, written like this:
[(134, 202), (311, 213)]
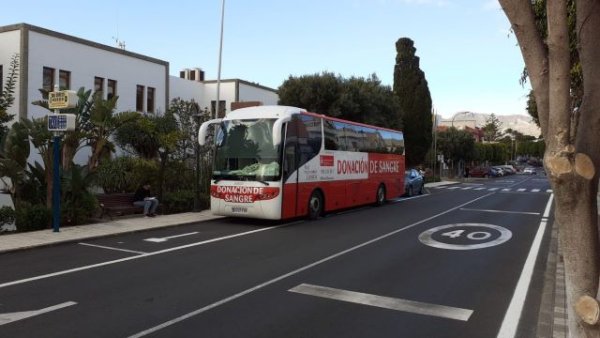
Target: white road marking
[(111, 248), (467, 188), (397, 304), (513, 313), (535, 190), (521, 189), (155, 253), (295, 272), (549, 191), (493, 189), (506, 189), (164, 239), (6, 318), (452, 188), (501, 211), (479, 188)]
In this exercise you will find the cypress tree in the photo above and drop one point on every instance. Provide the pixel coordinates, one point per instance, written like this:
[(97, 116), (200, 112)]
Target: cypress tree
[(410, 86)]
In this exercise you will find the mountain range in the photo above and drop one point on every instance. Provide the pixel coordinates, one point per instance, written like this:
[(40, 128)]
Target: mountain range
[(521, 123)]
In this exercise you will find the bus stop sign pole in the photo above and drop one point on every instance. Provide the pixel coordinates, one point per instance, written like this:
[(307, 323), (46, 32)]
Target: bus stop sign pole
[(58, 123)]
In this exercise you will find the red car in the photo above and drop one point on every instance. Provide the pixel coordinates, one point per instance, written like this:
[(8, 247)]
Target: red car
[(479, 172)]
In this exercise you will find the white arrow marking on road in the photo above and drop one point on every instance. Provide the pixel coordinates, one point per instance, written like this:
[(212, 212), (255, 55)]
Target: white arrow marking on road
[(384, 302), (164, 239), (6, 318)]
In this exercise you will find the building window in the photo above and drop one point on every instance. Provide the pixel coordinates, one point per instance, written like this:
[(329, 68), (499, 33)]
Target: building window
[(182, 74), (48, 79), (213, 108), (139, 98), (64, 79), (98, 84), (111, 89), (150, 100)]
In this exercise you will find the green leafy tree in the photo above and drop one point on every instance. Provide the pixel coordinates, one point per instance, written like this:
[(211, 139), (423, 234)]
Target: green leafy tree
[(357, 99), (13, 160), (410, 86), (152, 137), (7, 95), (456, 145), (492, 129), (318, 93)]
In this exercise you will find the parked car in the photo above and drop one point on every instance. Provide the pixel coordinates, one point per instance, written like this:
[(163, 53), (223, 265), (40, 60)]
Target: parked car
[(498, 171), (508, 169), (413, 182), (480, 172), (529, 171)]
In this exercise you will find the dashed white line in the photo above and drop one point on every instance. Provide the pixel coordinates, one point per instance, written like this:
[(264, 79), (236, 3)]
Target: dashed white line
[(397, 304), (479, 188), (506, 189), (493, 189), (295, 272), (535, 190), (521, 189), (467, 188)]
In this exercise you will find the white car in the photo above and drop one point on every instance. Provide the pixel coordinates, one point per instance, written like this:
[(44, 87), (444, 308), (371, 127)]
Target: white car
[(529, 171)]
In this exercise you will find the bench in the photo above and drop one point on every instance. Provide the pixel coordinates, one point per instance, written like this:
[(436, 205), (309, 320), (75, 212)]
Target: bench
[(117, 204)]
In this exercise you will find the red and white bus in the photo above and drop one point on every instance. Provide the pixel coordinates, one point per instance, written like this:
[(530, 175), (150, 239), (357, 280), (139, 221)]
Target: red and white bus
[(277, 162)]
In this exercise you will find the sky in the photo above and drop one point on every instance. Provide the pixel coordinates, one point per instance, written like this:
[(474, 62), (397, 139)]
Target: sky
[(470, 58)]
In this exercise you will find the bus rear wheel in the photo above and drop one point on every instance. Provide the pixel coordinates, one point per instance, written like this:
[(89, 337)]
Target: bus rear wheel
[(380, 197), (315, 205)]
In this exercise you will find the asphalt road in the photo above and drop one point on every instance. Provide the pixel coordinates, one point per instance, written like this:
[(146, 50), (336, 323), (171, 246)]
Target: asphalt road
[(456, 262)]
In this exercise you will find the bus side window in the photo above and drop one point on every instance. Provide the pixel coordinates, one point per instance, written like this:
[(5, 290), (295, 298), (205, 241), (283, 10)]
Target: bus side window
[(330, 136), (309, 138)]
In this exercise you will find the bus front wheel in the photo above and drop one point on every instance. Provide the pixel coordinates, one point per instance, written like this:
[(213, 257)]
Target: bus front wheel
[(315, 205), (380, 197)]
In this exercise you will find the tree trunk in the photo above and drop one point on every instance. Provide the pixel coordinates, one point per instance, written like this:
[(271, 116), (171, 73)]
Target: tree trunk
[(571, 160)]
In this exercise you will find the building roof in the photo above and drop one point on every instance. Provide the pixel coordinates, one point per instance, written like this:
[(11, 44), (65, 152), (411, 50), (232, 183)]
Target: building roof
[(28, 27)]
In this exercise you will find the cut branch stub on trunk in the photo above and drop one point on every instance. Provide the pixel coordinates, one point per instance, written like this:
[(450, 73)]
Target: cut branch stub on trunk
[(565, 164), (588, 309)]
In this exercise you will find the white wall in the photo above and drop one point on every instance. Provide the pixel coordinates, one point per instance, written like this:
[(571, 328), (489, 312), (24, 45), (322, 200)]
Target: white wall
[(227, 94), (86, 62), (253, 93), (10, 44), (186, 90)]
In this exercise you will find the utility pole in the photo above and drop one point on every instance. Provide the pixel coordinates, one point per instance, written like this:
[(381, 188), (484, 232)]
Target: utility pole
[(217, 106)]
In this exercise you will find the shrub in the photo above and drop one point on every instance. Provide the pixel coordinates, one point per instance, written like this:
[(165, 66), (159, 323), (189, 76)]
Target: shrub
[(182, 201), (125, 174), (79, 211), (32, 217), (7, 215)]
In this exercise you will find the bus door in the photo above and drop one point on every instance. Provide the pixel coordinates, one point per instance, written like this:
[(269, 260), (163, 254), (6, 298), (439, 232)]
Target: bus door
[(290, 171)]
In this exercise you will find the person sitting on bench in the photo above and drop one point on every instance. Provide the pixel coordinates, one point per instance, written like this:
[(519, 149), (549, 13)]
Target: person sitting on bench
[(143, 198)]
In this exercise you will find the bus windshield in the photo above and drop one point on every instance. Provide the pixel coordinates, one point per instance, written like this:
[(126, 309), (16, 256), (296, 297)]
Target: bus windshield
[(245, 151)]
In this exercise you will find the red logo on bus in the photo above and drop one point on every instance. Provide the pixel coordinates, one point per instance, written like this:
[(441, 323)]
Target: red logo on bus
[(327, 161)]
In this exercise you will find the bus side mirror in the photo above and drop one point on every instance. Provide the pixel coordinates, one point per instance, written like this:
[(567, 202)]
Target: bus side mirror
[(277, 129), (202, 132)]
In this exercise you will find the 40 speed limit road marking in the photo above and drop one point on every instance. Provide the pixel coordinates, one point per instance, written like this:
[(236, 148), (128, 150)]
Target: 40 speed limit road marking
[(465, 236)]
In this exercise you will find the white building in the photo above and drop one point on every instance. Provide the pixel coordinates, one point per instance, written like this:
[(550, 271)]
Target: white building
[(142, 83)]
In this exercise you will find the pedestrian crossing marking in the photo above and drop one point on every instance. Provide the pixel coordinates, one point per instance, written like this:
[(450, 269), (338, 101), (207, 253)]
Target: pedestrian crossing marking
[(549, 191)]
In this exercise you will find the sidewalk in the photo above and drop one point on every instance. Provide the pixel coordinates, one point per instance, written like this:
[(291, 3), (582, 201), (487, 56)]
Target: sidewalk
[(26, 240)]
